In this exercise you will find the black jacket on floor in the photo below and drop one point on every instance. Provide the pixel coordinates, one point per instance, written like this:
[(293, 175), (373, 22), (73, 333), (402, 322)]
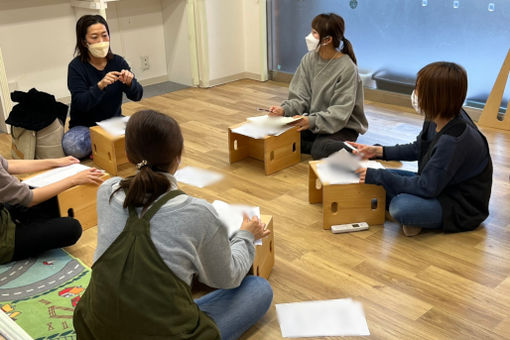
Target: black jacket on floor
[(36, 110)]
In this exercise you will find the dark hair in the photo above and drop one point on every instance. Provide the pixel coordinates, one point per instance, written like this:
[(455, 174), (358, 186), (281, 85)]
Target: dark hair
[(156, 139), (441, 89), (82, 26), (333, 25)]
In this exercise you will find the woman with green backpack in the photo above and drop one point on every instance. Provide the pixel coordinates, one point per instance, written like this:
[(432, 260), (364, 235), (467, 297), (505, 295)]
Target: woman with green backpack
[(153, 239)]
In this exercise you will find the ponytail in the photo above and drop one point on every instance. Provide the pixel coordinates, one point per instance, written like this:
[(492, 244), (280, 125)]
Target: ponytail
[(154, 143), (144, 188), (347, 49)]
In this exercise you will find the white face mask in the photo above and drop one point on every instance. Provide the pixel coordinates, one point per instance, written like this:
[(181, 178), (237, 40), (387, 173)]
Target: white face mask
[(311, 42), (99, 50), (414, 102)]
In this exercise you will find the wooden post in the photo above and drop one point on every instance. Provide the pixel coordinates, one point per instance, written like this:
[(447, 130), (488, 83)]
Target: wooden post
[(489, 117)]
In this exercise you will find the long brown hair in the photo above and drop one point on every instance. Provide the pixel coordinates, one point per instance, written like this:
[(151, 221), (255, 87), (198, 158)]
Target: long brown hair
[(441, 88), (154, 141), (333, 25)]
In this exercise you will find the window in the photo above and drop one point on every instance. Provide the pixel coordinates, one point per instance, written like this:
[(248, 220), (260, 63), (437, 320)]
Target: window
[(393, 39)]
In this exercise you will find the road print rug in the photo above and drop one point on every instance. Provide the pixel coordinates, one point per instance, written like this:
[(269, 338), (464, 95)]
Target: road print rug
[(40, 294)]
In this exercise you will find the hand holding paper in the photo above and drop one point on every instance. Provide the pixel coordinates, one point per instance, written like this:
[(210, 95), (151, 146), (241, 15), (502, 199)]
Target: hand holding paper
[(234, 217), (254, 226)]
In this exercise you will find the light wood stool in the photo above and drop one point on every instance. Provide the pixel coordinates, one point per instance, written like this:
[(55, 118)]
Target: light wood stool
[(346, 203), (79, 202), (264, 254), (109, 151), (277, 152)]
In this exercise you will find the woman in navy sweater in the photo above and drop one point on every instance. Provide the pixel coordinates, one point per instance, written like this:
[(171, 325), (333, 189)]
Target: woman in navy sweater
[(96, 79), (452, 188)]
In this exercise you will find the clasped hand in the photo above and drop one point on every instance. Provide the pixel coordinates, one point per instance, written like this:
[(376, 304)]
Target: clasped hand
[(124, 76)]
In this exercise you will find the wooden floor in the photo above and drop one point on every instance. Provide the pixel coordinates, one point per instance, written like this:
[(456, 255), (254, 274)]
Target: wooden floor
[(432, 286)]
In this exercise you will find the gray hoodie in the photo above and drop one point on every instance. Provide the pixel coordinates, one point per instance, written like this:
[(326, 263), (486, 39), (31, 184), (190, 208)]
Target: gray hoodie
[(329, 92)]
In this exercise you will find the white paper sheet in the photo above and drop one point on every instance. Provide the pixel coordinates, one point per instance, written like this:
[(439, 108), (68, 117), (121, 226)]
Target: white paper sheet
[(197, 177), (232, 215), (115, 126), (259, 132), (54, 175), (271, 121), (339, 317), (339, 168)]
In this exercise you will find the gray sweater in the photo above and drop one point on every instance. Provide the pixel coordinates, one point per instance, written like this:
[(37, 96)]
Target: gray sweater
[(187, 233), (331, 95), (12, 191)]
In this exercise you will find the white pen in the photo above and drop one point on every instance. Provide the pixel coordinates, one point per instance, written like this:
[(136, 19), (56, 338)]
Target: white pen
[(350, 146)]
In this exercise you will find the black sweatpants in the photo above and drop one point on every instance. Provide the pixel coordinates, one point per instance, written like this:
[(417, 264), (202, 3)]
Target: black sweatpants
[(321, 146), (39, 228)]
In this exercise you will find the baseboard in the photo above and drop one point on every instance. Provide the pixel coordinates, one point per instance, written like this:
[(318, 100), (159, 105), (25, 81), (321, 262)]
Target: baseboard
[(153, 80), (234, 77)]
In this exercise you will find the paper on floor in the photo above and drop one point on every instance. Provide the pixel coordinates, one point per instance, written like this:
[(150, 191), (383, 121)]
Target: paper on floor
[(115, 126), (197, 177), (339, 317), (339, 168), (232, 215), (258, 132), (54, 175)]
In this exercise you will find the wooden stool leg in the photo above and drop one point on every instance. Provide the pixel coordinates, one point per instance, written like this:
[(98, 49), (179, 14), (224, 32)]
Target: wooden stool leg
[(489, 117)]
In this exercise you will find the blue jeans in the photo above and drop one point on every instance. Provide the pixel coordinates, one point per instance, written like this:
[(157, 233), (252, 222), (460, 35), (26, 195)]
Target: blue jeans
[(414, 210), (236, 310)]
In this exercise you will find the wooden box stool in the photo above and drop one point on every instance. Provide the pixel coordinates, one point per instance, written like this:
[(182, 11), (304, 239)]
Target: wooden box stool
[(79, 202), (109, 151), (264, 254), (346, 203), (277, 152)]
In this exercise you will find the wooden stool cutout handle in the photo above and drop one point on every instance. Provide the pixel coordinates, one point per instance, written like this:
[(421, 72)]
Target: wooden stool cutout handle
[(489, 117)]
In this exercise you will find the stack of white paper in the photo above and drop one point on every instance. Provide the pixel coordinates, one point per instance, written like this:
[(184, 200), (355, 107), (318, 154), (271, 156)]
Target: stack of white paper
[(339, 168), (197, 177), (258, 132), (271, 121), (115, 126), (340, 317), (54, 175), (232, 215)]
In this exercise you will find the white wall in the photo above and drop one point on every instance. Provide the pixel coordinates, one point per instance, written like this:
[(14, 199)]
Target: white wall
[(235, 38), (177, 40), (137, 30), (225, 37), (37, 38), (37, 41), (255, 39)]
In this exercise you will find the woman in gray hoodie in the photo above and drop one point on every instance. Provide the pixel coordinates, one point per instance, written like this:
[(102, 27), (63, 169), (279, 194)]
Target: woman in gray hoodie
[(326, 90)]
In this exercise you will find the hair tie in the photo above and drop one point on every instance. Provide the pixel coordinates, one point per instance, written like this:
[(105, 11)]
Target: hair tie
[(140, 165)]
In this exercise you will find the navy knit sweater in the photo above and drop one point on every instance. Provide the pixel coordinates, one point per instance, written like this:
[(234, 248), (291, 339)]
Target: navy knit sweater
[(454, 166), (89, 104)]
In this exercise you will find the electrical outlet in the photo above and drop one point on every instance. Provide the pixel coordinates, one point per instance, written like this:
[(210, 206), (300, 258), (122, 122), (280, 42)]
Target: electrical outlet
[(145, 62)]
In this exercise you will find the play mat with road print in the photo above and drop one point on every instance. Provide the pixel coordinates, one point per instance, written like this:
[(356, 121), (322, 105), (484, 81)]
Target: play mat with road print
[(40, 294)]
